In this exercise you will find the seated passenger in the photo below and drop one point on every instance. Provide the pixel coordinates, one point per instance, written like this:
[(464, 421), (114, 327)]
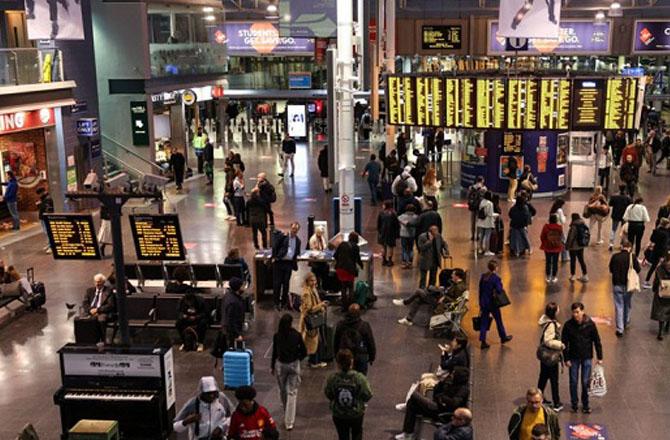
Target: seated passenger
[(459, 428), (100, 303), (17, 285), (235, 258), (457, 355), (449, 394), (206, 415), (178, 282), (456, 287), (192, 321)]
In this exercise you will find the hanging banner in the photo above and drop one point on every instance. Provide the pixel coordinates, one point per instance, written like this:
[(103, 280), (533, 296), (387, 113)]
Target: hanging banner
[(529, 18), (308, 18), (54, 20), (258, 38)]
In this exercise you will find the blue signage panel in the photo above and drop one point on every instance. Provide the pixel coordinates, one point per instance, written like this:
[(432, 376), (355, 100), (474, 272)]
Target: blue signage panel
[(302, 80), (87, 127), (652, 36)]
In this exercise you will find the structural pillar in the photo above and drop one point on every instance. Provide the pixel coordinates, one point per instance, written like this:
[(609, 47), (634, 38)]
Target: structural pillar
[(389, 32)]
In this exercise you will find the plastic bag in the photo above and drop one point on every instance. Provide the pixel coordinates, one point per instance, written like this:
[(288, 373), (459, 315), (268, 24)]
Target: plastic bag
[(597, 383)]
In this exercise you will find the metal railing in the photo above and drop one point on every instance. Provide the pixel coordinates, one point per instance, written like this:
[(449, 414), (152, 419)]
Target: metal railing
[(127, 156), (20, 66)]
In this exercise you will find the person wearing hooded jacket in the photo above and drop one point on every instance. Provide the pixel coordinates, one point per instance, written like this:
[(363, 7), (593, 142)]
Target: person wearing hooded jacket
[(205, 416), (352, 330), (404, 180)]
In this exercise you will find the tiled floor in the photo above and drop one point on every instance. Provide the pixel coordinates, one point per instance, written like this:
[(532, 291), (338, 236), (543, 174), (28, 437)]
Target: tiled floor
[(637, 366)]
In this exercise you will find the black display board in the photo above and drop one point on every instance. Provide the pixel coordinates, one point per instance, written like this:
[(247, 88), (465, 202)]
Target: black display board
[(588, 104), (442, 37), (621, 99), (72, 236), (157, 237)]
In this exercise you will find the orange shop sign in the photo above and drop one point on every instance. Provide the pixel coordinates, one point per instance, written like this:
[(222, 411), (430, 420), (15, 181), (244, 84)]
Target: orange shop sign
[(20, 121)]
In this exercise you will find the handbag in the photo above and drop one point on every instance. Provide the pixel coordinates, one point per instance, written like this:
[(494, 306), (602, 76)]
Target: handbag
[(500, 298), (548, 356), (664, 288), (632, 277), (315, 320), (477, 323)]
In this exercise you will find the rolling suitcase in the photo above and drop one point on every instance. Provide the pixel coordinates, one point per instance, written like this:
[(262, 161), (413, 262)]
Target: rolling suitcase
[(238, 367), (444, 278), (39, 297), (326, 347)]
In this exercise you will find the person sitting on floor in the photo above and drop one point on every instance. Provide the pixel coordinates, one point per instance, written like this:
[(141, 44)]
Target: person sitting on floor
[(178, 282), (192, 321), (450, 393)]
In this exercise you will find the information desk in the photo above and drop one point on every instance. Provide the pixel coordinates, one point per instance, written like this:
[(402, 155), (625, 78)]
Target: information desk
[(263, 269)]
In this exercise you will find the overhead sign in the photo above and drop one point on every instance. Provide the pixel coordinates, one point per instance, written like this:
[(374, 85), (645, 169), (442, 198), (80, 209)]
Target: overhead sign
[(587, 104), (516, 44), (20, 121), (258, 37), (54, 20), (157, 237), (575, 37), (72, 236), (87, 127), (139, 121), (529, 19), (299, 80), (442, 37), (652, 36), (308, 18), (189, 97), (296, 116)]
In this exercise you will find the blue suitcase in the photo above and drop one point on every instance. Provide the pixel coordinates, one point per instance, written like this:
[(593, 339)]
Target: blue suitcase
[(238, 368)]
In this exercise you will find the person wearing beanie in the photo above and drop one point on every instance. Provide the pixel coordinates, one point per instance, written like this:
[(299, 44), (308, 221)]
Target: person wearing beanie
[(207, 414), (251, 421), (233, 309)]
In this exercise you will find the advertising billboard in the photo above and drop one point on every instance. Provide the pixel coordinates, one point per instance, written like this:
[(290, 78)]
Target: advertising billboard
[(54, 20), (308, 18), (296, 118), (576, 37), (651, 36), (258, 38), (528, 19)]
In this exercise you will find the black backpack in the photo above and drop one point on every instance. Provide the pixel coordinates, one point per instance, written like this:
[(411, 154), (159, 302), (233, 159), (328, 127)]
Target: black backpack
[(583, 234), (352, 339), (474, 198), (272, 193), (346, 393), (481, 213)]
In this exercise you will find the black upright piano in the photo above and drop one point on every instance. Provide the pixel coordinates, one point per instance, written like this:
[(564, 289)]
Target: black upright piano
[(132, 385)]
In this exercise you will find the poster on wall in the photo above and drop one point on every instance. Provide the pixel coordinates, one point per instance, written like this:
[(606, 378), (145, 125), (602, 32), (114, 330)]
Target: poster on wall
[(296, 121), (542, 155), (308, 18), (21, 157), (529, 18), (512, 143), (504, 166), (258, 37), (652, 36), (54, 20), (562, 151)]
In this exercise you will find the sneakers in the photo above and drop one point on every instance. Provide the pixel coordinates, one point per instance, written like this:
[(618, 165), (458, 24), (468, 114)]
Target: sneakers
[(181, 347), (584, 279), (289, 427), (319, 365), (400, 406), (646, 285), (558, 407), (554, 280), (200, 348), (618, 334), (548, 279), (599, 242), (484, 346), (586, 410), (398, 302), (572, 278), (403, 436), (489, 254), (575, 408), (405, 321)]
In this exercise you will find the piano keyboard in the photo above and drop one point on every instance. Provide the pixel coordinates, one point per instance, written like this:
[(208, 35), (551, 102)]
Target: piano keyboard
[(121, 397)]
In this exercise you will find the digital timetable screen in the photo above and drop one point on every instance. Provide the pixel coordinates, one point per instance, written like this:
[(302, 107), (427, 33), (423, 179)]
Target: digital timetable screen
[(395, 101), (429, 101), (452, 100), (409, 93), (587, 104), (72, 236), (621, 101), (157, 237), (554, 113), (490, 103), (467, 104), (522, 104), (448, 37)]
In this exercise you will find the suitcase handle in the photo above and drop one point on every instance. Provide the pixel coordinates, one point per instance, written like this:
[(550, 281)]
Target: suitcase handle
[(30, 275), (449, 259), (240, 345)]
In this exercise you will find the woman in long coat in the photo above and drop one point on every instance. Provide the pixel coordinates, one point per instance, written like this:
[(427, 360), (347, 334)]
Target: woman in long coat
[(311, 303), (660, 307)]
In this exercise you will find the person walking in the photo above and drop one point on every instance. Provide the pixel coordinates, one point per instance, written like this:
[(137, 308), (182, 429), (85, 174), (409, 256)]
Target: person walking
[(663, 211), (557, 208), (388, 230), (660, 242), (604, 167), (580, 337), (485, 224), (636, 215), (228, 190), (618, 203), (512, 174), (208, 157), (520, 217), (45, 205), (578, 239), (311, 304), (618, 267), (618, 145), (525, 417), (205, 415), (407, 221), (660, 305), (475, 195), (177, 165), (238, 198), (288, 349), (629, 174), (347, 261), (665, 148), (354, 334), (285, 251), (597, 210), (257, 217), (348, 392), (551, 341), (552, 245), (498, 236), (489, 284), (431, 186), (198, 142), (288, 148), (401, 149), (322, 162), (372, 170), (432, 248)]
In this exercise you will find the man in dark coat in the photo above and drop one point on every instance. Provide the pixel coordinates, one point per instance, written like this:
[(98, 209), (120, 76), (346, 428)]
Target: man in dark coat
[(232, 312), (354, 334), (257, 215), (322, 162), (428, 218), (268, 195), (432, 248), (460, 427), (177, 164), (285, 251)]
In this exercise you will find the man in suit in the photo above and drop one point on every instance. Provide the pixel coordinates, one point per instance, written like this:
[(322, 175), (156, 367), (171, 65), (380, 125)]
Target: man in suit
[(285, 253), (100, 303), (432, 248)]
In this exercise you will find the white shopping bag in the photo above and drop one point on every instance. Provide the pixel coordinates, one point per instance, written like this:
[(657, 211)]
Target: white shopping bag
[(597, 383)]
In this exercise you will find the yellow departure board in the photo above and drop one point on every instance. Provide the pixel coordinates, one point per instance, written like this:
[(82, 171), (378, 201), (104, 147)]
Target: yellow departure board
[(452, 102), (554, 104), (620, 103), (467, 103), (72, 236), (587, 104), (157, 237), (522, 104), (409, 99), (429, 101), (490, 103), (393, 93)]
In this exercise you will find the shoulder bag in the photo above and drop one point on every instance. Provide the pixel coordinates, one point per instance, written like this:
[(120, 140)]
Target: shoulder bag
[(547, 356), (632, 277), (315, 320), (500, 298)]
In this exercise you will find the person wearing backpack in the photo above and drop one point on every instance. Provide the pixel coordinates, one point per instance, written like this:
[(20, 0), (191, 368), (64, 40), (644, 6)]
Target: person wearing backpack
[(552, 245), (578, 238), (475, 194), (354, 334), (348, 391), (551, 342), (404, 181), (485, 224)]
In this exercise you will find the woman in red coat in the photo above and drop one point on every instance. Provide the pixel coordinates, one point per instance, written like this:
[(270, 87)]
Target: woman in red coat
[(552, 245)]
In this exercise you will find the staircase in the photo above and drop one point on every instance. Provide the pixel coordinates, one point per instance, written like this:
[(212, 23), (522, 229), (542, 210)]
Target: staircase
[(124, 168)]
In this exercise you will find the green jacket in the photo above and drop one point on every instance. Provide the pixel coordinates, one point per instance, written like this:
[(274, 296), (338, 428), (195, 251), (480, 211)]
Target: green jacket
[(550, 418), (348, 392)]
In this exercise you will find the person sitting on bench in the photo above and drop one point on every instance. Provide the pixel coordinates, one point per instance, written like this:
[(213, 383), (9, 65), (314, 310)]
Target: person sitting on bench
[(17, 285), (178, 282), (235, 258), (100, 303), (192, 321)]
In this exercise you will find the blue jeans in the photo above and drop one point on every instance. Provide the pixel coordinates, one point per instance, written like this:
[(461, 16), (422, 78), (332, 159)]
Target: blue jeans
[(484, 237), (407, 244), (615, 226), (585, 366), (373, 191), (14, 212), (486, 317), (622, 306)]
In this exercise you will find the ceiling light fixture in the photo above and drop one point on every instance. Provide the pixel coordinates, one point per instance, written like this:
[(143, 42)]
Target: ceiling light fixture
[(615, 10), (208, 9), (600, 17), (210, 18), (272, 8)]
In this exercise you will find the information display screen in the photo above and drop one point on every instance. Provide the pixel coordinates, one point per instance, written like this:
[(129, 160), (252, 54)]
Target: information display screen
[(429, 101), (447, 37), (621, 103), (467, 104), (157, 237), (453, 101), (490, 103), (409, 91), (72, 236), (522, 104), (554, 104), (587, 104), (395, 99)]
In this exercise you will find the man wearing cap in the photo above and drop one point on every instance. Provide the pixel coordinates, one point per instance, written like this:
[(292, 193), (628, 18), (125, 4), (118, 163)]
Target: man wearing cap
[(251, 421), (232, 312), (205, 416)]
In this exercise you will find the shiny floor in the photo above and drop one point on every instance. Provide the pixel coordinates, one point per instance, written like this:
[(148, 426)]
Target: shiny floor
[(637, 367)]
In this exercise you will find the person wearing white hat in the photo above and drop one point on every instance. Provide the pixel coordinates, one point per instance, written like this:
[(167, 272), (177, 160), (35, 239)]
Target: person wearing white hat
[(205, 416)]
